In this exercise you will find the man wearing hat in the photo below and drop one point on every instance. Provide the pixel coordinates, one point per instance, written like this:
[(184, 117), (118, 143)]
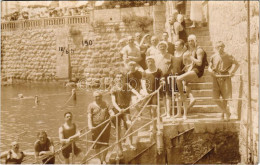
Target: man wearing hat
[(163, 61), (98, 112)]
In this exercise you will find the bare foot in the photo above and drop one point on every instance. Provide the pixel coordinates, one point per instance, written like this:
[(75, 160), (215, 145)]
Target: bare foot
[(192, 26), (132, 147), (184, 117), (178, 115), (228, 116)]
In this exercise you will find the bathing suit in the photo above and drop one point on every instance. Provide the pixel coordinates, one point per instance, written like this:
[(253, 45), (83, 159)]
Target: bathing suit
[(11, 160), (199, 70), (68, 133), (38, 147)]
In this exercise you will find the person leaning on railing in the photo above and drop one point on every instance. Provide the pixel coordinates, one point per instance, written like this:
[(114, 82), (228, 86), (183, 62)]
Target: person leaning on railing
[(68, 134), (121, 98), (43, 148), (98, 112)]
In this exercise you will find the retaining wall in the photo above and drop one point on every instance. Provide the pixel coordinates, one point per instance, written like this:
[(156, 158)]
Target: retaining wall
[(228, 23)]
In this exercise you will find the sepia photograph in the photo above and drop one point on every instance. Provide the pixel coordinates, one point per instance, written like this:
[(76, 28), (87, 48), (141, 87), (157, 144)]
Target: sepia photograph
[(129, 82)]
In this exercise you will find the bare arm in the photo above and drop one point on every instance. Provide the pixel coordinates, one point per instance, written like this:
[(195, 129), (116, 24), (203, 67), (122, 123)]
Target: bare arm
[(143, 39), (89, 116), (4, 154), (233, 71), (61, 136), (134, 91), (210, 69), (138, 56), (200, 55), (114, 103)]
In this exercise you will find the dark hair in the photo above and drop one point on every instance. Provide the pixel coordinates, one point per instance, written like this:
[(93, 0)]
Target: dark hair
[(181, 42), (41, 133), (67, 113)]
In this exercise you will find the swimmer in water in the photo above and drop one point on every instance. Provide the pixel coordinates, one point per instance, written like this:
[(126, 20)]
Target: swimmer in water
[(20, 96), (74, 94), (14, 155), (36, 100)]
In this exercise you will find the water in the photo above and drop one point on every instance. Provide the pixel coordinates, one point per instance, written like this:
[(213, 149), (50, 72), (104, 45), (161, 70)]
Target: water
[(21, 118)]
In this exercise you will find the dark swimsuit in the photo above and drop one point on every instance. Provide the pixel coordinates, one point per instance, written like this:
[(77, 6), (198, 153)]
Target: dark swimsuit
[(68, 133), (11, 160), (199, 70)]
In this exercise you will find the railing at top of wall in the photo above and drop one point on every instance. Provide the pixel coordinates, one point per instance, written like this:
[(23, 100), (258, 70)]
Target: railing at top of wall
[(43, 22)]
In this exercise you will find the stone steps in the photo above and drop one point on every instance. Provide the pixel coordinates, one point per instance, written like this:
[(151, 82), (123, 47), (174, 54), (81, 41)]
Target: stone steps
[(202, 93), (204, 109), (199, 86)]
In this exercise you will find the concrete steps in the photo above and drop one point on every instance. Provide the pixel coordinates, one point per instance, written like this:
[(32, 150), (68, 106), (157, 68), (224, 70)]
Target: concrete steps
[(202, 87)]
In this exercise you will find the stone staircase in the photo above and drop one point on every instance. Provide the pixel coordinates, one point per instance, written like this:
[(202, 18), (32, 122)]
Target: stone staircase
[(201, 88)]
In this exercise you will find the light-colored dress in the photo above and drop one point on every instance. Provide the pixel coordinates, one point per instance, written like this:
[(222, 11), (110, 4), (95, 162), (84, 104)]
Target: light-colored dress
[(196, 11)]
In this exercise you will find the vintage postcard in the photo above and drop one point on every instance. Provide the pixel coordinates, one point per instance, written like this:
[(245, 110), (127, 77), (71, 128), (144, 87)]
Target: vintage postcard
[(129, 82)]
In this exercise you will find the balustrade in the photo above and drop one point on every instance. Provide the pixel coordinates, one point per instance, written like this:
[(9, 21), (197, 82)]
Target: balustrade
[(43, 22)]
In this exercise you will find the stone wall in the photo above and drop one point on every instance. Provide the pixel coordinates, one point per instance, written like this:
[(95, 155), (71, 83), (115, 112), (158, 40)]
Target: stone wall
[(28, 54), (228, 23), (95, 62), (32, 54)]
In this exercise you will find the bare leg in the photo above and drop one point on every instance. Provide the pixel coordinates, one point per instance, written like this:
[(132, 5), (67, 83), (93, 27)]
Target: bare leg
[(178, 109), (103, 155), (67, 160), (193, 24), (130, 138), (188, 76), (99, 156), (223, 106)]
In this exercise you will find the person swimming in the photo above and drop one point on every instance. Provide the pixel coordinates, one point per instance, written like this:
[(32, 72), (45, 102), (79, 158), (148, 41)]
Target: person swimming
[(36, 100), (14, 155)]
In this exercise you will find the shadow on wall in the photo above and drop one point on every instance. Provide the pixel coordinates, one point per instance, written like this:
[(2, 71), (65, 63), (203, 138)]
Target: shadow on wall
[(76, 35)]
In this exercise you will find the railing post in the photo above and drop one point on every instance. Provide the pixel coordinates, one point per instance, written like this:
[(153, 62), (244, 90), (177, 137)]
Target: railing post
[(117, 139), (159, 135)]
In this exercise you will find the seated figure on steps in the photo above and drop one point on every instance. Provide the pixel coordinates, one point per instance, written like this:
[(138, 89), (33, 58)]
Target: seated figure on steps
[(195, 60)]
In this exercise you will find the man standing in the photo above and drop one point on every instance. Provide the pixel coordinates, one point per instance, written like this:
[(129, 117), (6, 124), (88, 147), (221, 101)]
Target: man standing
[(121, 98), (68, 134), (222, 67), (98, 112), (131, 52), (170, 48), (163, 61)]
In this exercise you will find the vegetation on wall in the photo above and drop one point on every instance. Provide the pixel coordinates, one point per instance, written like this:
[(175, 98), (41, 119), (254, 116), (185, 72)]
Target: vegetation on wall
[(73, 31), (126, 4), (98, 24), (141, 22)]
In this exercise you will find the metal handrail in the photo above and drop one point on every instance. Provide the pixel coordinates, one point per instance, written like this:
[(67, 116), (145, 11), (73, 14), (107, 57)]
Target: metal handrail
[(68, 144), (127, 131)]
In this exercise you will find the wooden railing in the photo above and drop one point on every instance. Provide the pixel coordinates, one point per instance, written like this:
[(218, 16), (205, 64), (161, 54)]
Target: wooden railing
[(43, 22)]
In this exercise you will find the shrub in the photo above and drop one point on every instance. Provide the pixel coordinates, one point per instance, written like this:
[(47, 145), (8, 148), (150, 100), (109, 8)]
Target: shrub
[(138, 21)]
